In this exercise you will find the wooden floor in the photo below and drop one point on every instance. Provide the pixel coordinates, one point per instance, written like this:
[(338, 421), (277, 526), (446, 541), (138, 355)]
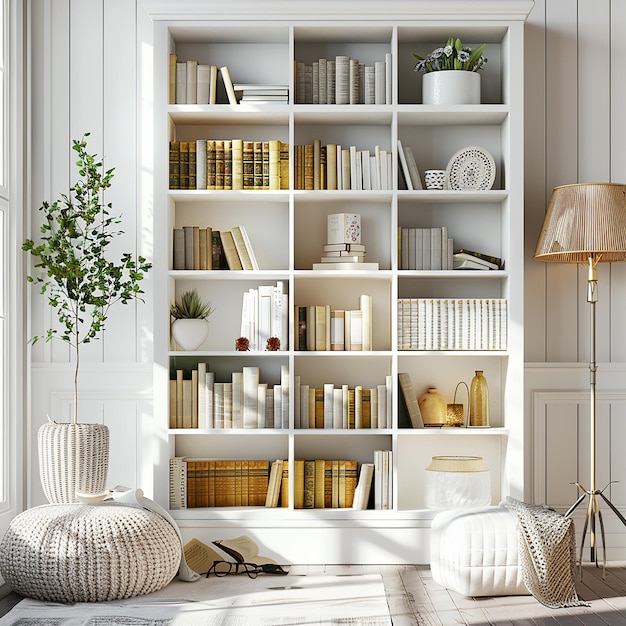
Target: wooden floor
[(414, 598)]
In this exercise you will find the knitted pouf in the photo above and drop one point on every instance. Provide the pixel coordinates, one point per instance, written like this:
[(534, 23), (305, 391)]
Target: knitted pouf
[(89, 553)]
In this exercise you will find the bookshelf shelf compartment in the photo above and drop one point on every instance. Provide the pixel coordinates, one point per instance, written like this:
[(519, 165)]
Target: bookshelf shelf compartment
[(287, 230)]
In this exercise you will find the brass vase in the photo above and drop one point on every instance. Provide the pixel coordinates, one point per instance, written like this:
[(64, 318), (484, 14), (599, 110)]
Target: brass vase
[(479, 401), (433, 408)]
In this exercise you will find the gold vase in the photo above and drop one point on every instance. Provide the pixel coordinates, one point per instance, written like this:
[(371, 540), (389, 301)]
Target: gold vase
[(433, 408), (479, 401)]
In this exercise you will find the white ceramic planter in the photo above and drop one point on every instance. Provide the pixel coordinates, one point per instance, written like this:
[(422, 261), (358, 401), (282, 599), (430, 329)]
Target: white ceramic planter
[(72, 458), (189, 334), (451, 87)]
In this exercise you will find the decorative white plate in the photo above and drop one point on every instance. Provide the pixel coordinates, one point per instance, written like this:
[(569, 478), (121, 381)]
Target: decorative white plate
[(471, 168)]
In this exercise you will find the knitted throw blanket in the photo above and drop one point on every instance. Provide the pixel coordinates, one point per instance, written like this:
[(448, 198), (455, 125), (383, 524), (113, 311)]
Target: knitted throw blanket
[(547, 553)]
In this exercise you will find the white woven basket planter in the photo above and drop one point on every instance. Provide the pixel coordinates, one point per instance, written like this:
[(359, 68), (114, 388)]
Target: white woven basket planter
[(72, 457), (89, 553)]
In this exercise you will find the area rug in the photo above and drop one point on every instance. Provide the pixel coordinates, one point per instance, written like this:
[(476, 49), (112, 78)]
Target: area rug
[(234, 600)]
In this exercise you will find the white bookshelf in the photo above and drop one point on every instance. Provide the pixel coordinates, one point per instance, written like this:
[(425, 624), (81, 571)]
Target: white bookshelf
[(288, 228)]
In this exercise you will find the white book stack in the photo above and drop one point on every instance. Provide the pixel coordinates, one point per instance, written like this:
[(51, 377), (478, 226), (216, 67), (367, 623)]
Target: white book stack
[(264, 315)]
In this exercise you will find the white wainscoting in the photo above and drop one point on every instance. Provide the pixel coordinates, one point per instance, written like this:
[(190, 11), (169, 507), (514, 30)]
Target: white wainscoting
[(118, 396), (559, 427)]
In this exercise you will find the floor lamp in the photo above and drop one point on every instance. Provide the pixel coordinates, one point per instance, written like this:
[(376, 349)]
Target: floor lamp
[(586, 224)]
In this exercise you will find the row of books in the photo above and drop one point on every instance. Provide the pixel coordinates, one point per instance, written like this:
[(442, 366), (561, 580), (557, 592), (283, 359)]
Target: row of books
[(319, 327), (217, 164), (317, 483), (198, 248), (332, 167), (425, 249), (191, 82), (199, 482), (337, 407), (264, 314), (197, 400), (452, 324), (343, 80)]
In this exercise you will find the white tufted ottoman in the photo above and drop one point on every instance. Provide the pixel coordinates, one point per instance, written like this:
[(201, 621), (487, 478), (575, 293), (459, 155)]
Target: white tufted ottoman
[(475, 552), (89, 553)]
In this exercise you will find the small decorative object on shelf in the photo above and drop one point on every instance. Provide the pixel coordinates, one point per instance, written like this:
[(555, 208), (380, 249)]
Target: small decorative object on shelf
[(457, 481), (455, 414), (435, 179), (433, 408), (451, 74), (273, 344), (190, 326), (479, 401), (242, 344)]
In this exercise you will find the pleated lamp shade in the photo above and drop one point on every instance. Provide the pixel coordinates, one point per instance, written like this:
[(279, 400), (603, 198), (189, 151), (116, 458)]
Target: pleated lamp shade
[(585, 220)]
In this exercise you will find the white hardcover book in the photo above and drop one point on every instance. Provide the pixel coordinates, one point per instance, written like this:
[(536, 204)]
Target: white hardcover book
[(280, 320), (266, 295), (388, 78), (228, 405), (374, 178), (363, 487), (297, 404), (201, 164), (345, 404), (269, 407), (261, 399), (329, 403), (444, 248), (338, 159), (365, 170), (378, 479), (181, 82), (202, 395), (354, 170), (245, 315), (337, 408), (342, 79), (192, 82), (210, 402), (218, 405), (390, 399), (284, 383), (435, 249), (382, 405), (404, 167), (426, 248), (337, 327), (228, 84), (345, 169), (251, 379), (278, 411), (203, 94), (416, 180), (304, 407), (237, 400), (330, 82), (381, 83), (365, 304), (373, 407)]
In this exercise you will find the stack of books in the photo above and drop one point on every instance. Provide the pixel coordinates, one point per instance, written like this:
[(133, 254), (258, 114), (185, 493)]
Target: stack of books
[(262, 94), (470, 260), (264, 314), (343, 248)]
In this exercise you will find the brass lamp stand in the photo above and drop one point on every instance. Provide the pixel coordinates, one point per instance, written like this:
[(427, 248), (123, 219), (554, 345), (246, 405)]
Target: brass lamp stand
[(586, 223)]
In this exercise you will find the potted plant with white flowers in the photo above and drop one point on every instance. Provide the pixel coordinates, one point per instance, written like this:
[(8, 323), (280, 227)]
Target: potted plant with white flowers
[(75, 273), (451, 73)]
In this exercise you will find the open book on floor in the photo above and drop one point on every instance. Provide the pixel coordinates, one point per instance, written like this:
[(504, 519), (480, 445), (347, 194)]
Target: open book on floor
[(243, 550)]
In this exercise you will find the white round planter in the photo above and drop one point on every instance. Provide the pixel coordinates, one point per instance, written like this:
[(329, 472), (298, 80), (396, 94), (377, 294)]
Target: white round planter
[(73, 458), (451, 87), (189, 334)]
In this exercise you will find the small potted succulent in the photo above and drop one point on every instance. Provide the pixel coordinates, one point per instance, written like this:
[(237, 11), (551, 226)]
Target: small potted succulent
[(451, 73), (190, 326)]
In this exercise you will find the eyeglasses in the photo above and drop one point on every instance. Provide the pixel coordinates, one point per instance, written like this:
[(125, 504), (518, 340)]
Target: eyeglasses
[(252, 570)]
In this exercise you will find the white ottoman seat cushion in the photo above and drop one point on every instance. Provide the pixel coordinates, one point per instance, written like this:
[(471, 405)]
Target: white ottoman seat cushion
[(89, 553), (475, 552)]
